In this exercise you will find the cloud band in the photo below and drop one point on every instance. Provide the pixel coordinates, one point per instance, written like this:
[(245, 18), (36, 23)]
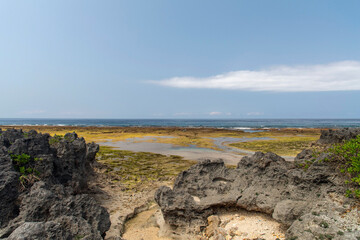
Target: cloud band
[(338, 76)]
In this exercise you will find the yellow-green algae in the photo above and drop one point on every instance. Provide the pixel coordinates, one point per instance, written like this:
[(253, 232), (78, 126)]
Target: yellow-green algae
[(287, 141), (285, 146), (138, 169)]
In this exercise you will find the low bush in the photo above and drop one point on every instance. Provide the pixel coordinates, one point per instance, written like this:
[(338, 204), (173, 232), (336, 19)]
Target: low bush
[(348, 154), (24, 164)]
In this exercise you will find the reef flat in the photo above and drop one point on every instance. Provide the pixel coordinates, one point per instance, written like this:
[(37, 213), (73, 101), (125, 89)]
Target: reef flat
[(284, 141)]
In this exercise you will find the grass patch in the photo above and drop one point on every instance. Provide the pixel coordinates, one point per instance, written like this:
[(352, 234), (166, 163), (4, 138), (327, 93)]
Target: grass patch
[(137, 169), (288, 146)]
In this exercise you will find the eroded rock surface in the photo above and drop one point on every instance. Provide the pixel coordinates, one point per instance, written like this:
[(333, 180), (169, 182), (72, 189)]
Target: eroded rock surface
[(48, 199), (309, 203), (331, 136)]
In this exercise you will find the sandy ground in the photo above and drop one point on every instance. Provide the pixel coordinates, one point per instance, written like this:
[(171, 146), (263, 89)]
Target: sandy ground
[(242, 224), (236, 225), (145, 226), (121, 204)]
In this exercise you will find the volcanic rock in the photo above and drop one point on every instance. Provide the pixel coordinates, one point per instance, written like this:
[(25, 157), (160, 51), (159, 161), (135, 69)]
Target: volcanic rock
[(45, 197), (331, 136), (266, 183)]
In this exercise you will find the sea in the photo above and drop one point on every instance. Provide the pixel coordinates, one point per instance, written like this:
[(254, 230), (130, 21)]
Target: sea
[(240, 124)]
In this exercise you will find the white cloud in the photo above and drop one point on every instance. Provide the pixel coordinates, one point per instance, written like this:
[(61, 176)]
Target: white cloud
[(215, 113), (338, 76)]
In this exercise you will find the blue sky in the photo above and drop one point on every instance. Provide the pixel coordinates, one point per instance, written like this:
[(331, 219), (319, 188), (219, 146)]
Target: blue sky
[(180, 59)]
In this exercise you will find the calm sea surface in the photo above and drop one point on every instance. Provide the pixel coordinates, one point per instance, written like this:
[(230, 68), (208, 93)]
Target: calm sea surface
[(218, 123)]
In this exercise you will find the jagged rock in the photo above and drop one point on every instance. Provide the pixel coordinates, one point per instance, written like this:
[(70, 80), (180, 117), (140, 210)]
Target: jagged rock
[(9, 181), (263, 182), (54, 204), (338, 135)]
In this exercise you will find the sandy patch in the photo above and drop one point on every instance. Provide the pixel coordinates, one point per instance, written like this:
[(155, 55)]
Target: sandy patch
[(234, 225), (144, 226), (242, 224)]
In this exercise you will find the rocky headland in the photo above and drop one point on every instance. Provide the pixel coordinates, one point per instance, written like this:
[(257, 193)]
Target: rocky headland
[(44, 190), (306, 196)]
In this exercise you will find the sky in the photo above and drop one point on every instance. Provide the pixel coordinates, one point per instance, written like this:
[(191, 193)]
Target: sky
[(180, 59)]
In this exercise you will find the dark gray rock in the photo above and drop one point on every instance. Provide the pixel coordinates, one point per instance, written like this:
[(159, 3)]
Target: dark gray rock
[(53, 204), (263, 183), (338, 135), (9, 181)]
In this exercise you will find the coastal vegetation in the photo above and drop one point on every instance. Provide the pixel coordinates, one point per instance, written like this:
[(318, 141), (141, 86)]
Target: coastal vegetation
[(347, 154), (343, 156), (25, 165), (55, 139)]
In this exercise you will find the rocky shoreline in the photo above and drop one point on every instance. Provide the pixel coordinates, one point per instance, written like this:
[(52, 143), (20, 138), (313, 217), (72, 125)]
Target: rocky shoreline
[(48, 191), (310, 203)]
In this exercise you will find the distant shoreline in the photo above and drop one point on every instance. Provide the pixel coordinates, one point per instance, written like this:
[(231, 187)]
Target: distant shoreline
[(44, 127), (232, 124)]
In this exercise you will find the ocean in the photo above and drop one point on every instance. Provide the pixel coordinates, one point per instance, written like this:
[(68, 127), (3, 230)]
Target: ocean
[(214, 123)]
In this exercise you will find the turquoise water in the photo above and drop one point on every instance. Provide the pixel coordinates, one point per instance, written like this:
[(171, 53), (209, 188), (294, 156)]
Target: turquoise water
[(241, 124)]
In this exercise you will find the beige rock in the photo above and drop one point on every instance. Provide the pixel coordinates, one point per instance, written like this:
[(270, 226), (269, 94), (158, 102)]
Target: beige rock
[(212, 228)]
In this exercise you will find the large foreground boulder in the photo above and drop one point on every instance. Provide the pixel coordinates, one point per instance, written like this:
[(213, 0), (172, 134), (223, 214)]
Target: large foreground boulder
[(43, 186), (310, 203)]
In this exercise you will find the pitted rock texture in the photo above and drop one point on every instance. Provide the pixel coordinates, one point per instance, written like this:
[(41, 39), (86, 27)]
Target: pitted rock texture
[(264, 183), (54, 204), (338, 135)]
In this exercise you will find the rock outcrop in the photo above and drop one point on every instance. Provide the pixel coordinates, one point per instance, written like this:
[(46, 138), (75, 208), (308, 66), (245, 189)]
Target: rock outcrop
[(43, 187), (310, 202), (331, 136)]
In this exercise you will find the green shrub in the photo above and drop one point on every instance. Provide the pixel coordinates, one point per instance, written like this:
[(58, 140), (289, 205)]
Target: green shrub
[(348, 154), (55, 139), (25, 165), (20, 159)]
